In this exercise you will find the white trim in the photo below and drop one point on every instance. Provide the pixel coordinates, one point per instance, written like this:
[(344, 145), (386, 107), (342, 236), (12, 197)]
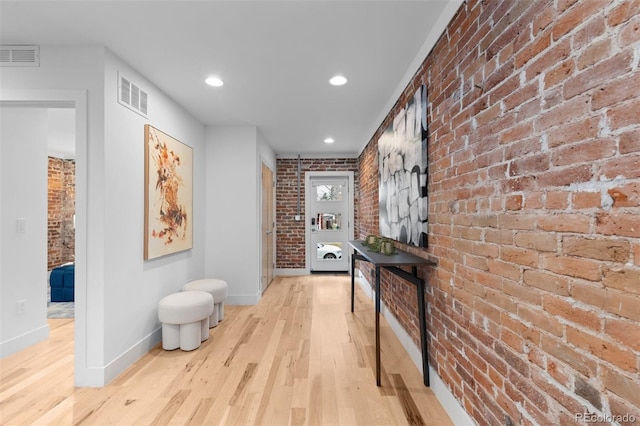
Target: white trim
[(449, 402), (18, 343), (243, 299), (130, 356), (84, 374), (451, 405), (307, 232), (283, 272)]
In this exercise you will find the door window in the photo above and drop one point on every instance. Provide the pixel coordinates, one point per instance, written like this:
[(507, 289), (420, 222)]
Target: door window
[(330, 250), (329, 192), (329, 221)]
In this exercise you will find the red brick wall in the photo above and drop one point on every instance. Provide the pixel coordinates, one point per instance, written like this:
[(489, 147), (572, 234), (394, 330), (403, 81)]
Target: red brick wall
[(534, 214), (61, 208), (290, 244)]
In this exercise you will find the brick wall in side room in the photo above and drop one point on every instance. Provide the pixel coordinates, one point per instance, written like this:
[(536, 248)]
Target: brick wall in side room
[(61, 208), (534, 211), (290, 234)]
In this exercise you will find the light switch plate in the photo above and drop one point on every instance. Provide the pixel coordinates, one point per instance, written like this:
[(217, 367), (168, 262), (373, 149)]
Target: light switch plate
[(21, 225)]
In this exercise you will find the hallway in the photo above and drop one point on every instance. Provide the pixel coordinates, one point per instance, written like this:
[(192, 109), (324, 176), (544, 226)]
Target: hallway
[(297, 357)]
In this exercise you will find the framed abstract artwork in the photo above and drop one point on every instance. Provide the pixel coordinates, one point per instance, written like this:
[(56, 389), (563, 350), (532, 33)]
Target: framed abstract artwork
[(168, 205), (402, 174)]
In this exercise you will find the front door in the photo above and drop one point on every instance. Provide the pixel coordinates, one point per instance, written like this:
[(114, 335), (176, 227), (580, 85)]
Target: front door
[(329, 222)]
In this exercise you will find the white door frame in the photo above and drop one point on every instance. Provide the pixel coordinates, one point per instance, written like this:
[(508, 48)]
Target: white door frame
[(307, 217), (264, 163), (77, 99)]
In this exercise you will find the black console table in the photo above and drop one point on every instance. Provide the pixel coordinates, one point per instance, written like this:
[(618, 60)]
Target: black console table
[(392, 264)]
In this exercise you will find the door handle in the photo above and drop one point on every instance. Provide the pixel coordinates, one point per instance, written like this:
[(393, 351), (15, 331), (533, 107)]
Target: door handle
[(269, 232)]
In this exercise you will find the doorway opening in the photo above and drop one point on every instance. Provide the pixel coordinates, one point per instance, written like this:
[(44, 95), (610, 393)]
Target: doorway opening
[(61, 214), (76, 100)]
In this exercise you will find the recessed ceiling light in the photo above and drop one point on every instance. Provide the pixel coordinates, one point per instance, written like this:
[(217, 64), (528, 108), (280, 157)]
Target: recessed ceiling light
[(338, 80), (329, 140), (214, 81)]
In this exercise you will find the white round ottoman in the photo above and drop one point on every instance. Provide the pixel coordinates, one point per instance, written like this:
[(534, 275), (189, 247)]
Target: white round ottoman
[(217, 289), (185, 319)]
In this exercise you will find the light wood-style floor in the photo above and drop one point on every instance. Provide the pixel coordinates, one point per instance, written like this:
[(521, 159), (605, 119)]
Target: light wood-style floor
[(298, 357)]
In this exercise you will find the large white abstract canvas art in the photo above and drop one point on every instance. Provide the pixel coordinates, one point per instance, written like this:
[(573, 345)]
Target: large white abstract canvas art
[(402, 174)]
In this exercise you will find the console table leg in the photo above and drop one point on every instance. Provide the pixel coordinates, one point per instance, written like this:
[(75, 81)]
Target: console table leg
[(353, 272), (423, 333), (378, 381)]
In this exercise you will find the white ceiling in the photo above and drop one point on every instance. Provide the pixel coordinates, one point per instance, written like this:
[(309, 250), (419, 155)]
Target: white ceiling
[(275, 57)]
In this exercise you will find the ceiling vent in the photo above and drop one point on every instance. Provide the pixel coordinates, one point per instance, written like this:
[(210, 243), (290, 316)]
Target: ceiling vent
[(131, 96), (19, 56)]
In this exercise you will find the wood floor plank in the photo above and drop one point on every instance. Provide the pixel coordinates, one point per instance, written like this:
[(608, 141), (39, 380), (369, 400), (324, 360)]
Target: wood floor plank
[(61, 414), (200, 412), (298, 357), (297, 417), (409, 407), (171, 407)]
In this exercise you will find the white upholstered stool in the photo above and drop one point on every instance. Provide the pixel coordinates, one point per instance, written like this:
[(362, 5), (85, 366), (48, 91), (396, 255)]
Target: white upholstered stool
[(217, 289), (185, 319)]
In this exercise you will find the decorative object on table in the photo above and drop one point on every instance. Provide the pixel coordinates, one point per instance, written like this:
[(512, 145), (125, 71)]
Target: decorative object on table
[(388, 247), (380, 245), (168, 204), (402, 174), (372, 242)]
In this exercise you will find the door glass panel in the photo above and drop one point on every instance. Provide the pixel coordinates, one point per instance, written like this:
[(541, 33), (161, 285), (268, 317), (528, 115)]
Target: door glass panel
[(329, 250), (329, 221), (329, 192)]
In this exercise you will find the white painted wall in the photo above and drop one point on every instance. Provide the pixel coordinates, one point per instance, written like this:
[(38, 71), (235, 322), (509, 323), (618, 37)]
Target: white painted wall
[(116, 302), (132, 286), (116, 306), (23, 260), (61, 133), (233, 158), (265, 155), (77, 74)]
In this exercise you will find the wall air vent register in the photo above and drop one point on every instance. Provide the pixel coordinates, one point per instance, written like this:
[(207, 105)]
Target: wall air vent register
[(19, 56), (131, 96)]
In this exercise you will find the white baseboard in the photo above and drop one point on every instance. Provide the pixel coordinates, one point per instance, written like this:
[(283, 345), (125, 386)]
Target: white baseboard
[(88, 377), (242, 299), (131, 355), (451, 405), (23, 341), (97, 377), (291, 272)]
